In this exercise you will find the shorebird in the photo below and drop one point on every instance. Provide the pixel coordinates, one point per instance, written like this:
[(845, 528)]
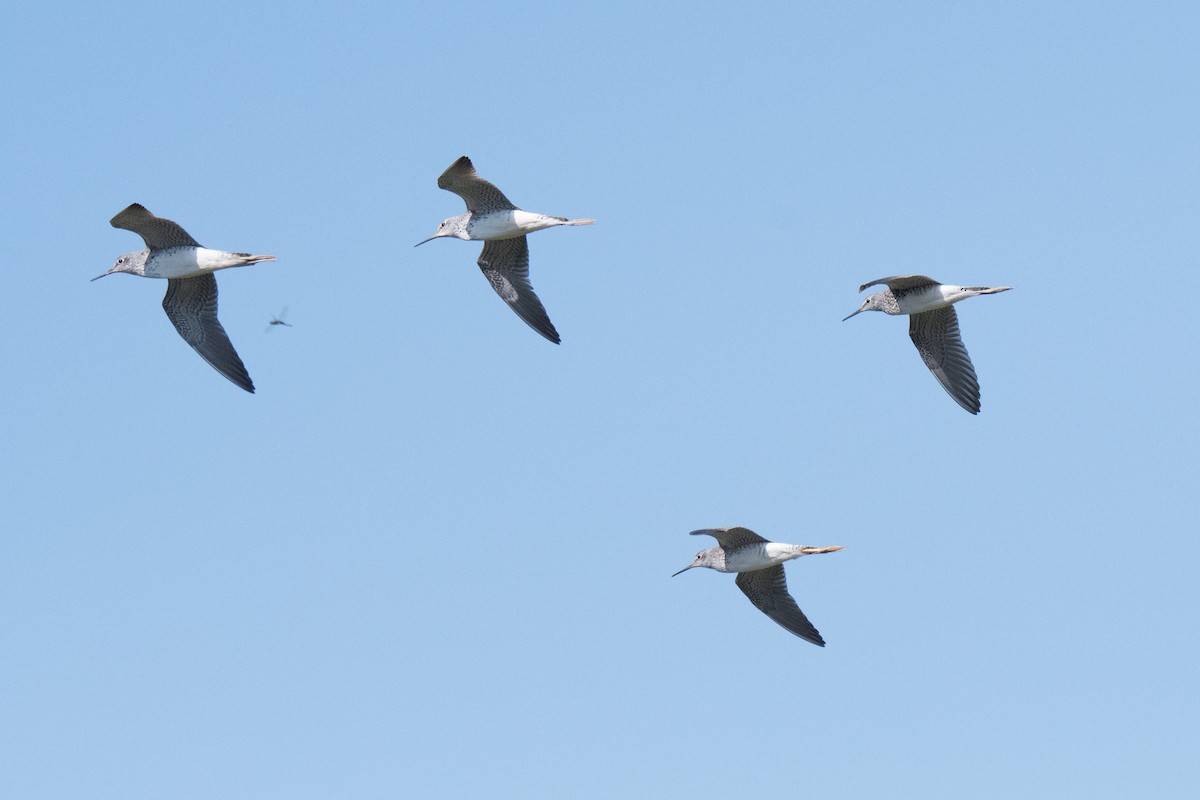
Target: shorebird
[(759, 565), (278, 321), (502, 226), (191, 299), (933, 327)]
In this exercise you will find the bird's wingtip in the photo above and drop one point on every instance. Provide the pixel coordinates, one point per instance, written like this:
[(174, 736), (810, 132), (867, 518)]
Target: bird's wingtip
[(121, 219)]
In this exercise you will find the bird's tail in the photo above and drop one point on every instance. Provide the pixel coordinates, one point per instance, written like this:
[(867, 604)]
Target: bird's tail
[(249, 258)]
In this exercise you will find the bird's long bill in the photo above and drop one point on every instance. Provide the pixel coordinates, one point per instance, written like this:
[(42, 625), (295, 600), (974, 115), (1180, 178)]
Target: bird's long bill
[(685, 569), (856, 312), (430, 239), (812, 551), (101, 275)]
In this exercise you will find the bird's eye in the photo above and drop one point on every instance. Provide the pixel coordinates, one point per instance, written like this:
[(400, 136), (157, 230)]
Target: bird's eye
[(121, 260)]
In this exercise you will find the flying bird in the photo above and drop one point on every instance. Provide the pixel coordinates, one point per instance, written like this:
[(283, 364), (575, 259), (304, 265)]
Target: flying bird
[(933, 327), (502, 227), (759, 565), (191, 299)]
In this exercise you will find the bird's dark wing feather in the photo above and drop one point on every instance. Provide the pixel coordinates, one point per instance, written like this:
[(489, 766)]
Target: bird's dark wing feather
[(505, 263), (935, 333), (480, 196), (767, 589), (901, 282), (731, 538), (158, 233), (191, 305)]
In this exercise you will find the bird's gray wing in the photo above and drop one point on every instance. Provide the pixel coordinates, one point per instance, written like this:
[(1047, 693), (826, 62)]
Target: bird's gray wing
[(767, 589), (898, 282), (158, 233), (191, 305), (731, 538), (505, 263), (480, 195), (935, 333)]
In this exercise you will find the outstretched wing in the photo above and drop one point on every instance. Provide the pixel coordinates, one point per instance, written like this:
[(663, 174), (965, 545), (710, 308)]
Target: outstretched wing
[(191, 305), (935, 333), (901, 282), (505, 263), (158, 233), (731, 538), (481, 196), (767, 589)]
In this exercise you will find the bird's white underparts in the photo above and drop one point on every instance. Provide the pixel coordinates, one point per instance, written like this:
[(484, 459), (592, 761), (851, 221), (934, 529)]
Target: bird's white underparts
[(180, 262), (505, 224)]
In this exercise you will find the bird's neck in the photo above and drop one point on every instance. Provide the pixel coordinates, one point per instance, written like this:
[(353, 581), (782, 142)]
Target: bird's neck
[(139, 263), (716, 559), (885, 301)]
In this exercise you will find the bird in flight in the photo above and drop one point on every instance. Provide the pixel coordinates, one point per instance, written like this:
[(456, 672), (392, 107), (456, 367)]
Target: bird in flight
[(191, 299), (933, 328), (502, 227), (759, 567)]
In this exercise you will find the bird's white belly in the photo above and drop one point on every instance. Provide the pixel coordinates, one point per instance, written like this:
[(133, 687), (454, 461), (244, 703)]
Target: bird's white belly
[(188, 262), (928, 299), (509, 224), (760, 556)]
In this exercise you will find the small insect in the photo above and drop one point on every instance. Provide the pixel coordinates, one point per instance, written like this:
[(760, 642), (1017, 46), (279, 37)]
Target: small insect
[(278, 321)]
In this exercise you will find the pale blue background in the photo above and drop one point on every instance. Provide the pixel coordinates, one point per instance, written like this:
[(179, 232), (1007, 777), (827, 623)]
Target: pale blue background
[(430, 557)]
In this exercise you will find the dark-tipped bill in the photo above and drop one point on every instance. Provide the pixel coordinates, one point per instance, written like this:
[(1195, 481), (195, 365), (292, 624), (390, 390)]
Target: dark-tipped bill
[(856, 312), (685, 569), (430, 239)]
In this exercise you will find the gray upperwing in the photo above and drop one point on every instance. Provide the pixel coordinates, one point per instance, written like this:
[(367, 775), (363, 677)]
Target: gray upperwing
[(480, 196), (158, 233), (733, 537), (191, 305), (505, 263), (900, 282), (935, 333), (767, 589)]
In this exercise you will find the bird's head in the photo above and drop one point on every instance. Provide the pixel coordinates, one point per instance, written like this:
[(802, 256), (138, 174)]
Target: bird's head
[(872, 303), (703, 559), (449, 227), (130, 262)]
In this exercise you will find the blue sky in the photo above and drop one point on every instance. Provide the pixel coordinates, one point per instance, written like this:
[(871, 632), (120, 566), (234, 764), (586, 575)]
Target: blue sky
[(430, 556)]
